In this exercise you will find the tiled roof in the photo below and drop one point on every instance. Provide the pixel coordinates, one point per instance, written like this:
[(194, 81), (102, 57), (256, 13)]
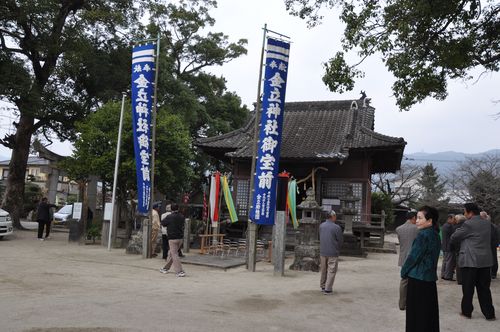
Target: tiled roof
[(323, 130), (32, 161)]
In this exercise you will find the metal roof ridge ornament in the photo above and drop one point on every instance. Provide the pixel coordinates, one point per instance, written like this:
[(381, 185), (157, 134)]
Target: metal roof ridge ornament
[(366, 101)]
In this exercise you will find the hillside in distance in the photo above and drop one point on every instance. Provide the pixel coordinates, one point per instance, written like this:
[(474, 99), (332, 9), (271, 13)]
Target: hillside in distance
[(445, 162)]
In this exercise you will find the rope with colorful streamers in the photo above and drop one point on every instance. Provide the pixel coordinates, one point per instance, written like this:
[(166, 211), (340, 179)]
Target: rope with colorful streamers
[(229, 199), (291, 202)]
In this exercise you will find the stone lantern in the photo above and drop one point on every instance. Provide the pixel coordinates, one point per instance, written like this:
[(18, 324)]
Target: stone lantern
[(307, 248), (348, 209), (309, 215), (351, 245)]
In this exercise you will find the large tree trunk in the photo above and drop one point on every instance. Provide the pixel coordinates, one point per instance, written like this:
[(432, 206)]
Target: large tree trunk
[(14, 192)]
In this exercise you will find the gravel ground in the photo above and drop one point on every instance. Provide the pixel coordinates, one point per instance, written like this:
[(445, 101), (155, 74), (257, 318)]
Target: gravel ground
[(56, 286)]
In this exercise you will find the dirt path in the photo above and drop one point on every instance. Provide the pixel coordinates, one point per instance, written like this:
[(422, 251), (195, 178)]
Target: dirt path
[(56, 286)]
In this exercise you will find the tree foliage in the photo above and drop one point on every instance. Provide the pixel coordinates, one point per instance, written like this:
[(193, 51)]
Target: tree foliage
[(95, 150), (478, 180), (432, 188), (58, 58), (185, 86), (62, 60), (382, 202), (422, 43), (400, 186), (32, 195), (45, 48)]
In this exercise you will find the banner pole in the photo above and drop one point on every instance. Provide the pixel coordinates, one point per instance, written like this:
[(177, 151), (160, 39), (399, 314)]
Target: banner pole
[(115, 176), (252, 227), (146, 252)]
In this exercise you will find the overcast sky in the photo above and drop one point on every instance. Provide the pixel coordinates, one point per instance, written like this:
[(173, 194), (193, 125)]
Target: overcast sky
[(462, 123)]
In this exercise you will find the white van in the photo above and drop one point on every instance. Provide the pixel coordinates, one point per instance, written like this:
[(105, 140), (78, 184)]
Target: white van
[(5, 224)]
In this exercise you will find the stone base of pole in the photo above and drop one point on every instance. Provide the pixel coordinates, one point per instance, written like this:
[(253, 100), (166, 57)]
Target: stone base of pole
[(251, 246), (279, 235), (105, 233), (146, 238)]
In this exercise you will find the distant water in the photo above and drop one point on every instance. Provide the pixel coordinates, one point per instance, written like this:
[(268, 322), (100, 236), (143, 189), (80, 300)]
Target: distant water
[(445, 162)]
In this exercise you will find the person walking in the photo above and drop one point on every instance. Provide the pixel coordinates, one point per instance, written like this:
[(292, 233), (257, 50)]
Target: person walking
[(475, 261), (407, 233), (330, 242), (449, 260), (420, 267), (164, 237), (43, 218), (175, 230)]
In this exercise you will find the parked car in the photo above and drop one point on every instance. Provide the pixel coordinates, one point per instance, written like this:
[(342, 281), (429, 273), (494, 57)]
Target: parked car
[(63, 215), (5, 224)]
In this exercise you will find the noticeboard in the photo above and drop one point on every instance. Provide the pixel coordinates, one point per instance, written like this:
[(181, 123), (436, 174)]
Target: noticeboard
[(77, 211), (108, 211)]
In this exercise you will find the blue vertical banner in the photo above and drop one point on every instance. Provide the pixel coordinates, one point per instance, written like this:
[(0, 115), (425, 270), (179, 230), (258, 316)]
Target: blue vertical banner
[(143, 75), (271, 127)]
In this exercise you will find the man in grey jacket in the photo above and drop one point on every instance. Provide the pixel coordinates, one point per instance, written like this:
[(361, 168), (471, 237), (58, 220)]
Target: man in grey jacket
[(475, 261), (407, 232), (330, 242)]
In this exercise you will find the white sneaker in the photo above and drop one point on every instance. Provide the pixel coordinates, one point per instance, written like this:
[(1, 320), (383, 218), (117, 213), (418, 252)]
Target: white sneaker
[(41, 239), (163, 270), (181, 274)]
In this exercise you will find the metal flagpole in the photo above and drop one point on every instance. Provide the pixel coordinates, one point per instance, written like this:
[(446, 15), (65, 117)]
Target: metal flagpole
[(115, 177), (147, 248), (252, 227)]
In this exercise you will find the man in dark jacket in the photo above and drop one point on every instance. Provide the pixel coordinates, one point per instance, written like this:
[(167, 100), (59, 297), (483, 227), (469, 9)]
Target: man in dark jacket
[(175, 229), (43, 218), (449, 262), (475, 261)]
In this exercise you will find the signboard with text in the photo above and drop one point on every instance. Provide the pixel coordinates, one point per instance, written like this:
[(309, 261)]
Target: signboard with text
[(143, 74), (271, 126)]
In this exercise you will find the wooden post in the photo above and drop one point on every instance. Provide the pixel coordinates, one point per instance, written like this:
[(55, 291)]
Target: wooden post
[(279, 244), (382, 233), (146, 238), (252, 227), (252, 246)]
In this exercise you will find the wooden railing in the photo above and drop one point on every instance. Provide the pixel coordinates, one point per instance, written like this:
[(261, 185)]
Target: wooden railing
[(210, 240), (372, 231)]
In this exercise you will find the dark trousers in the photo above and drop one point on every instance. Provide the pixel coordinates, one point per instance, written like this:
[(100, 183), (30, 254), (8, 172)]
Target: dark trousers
[(480, 279), (458, 270), (41, 225), (164, 246), (494, 268), (422, 310), (448, 265)]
